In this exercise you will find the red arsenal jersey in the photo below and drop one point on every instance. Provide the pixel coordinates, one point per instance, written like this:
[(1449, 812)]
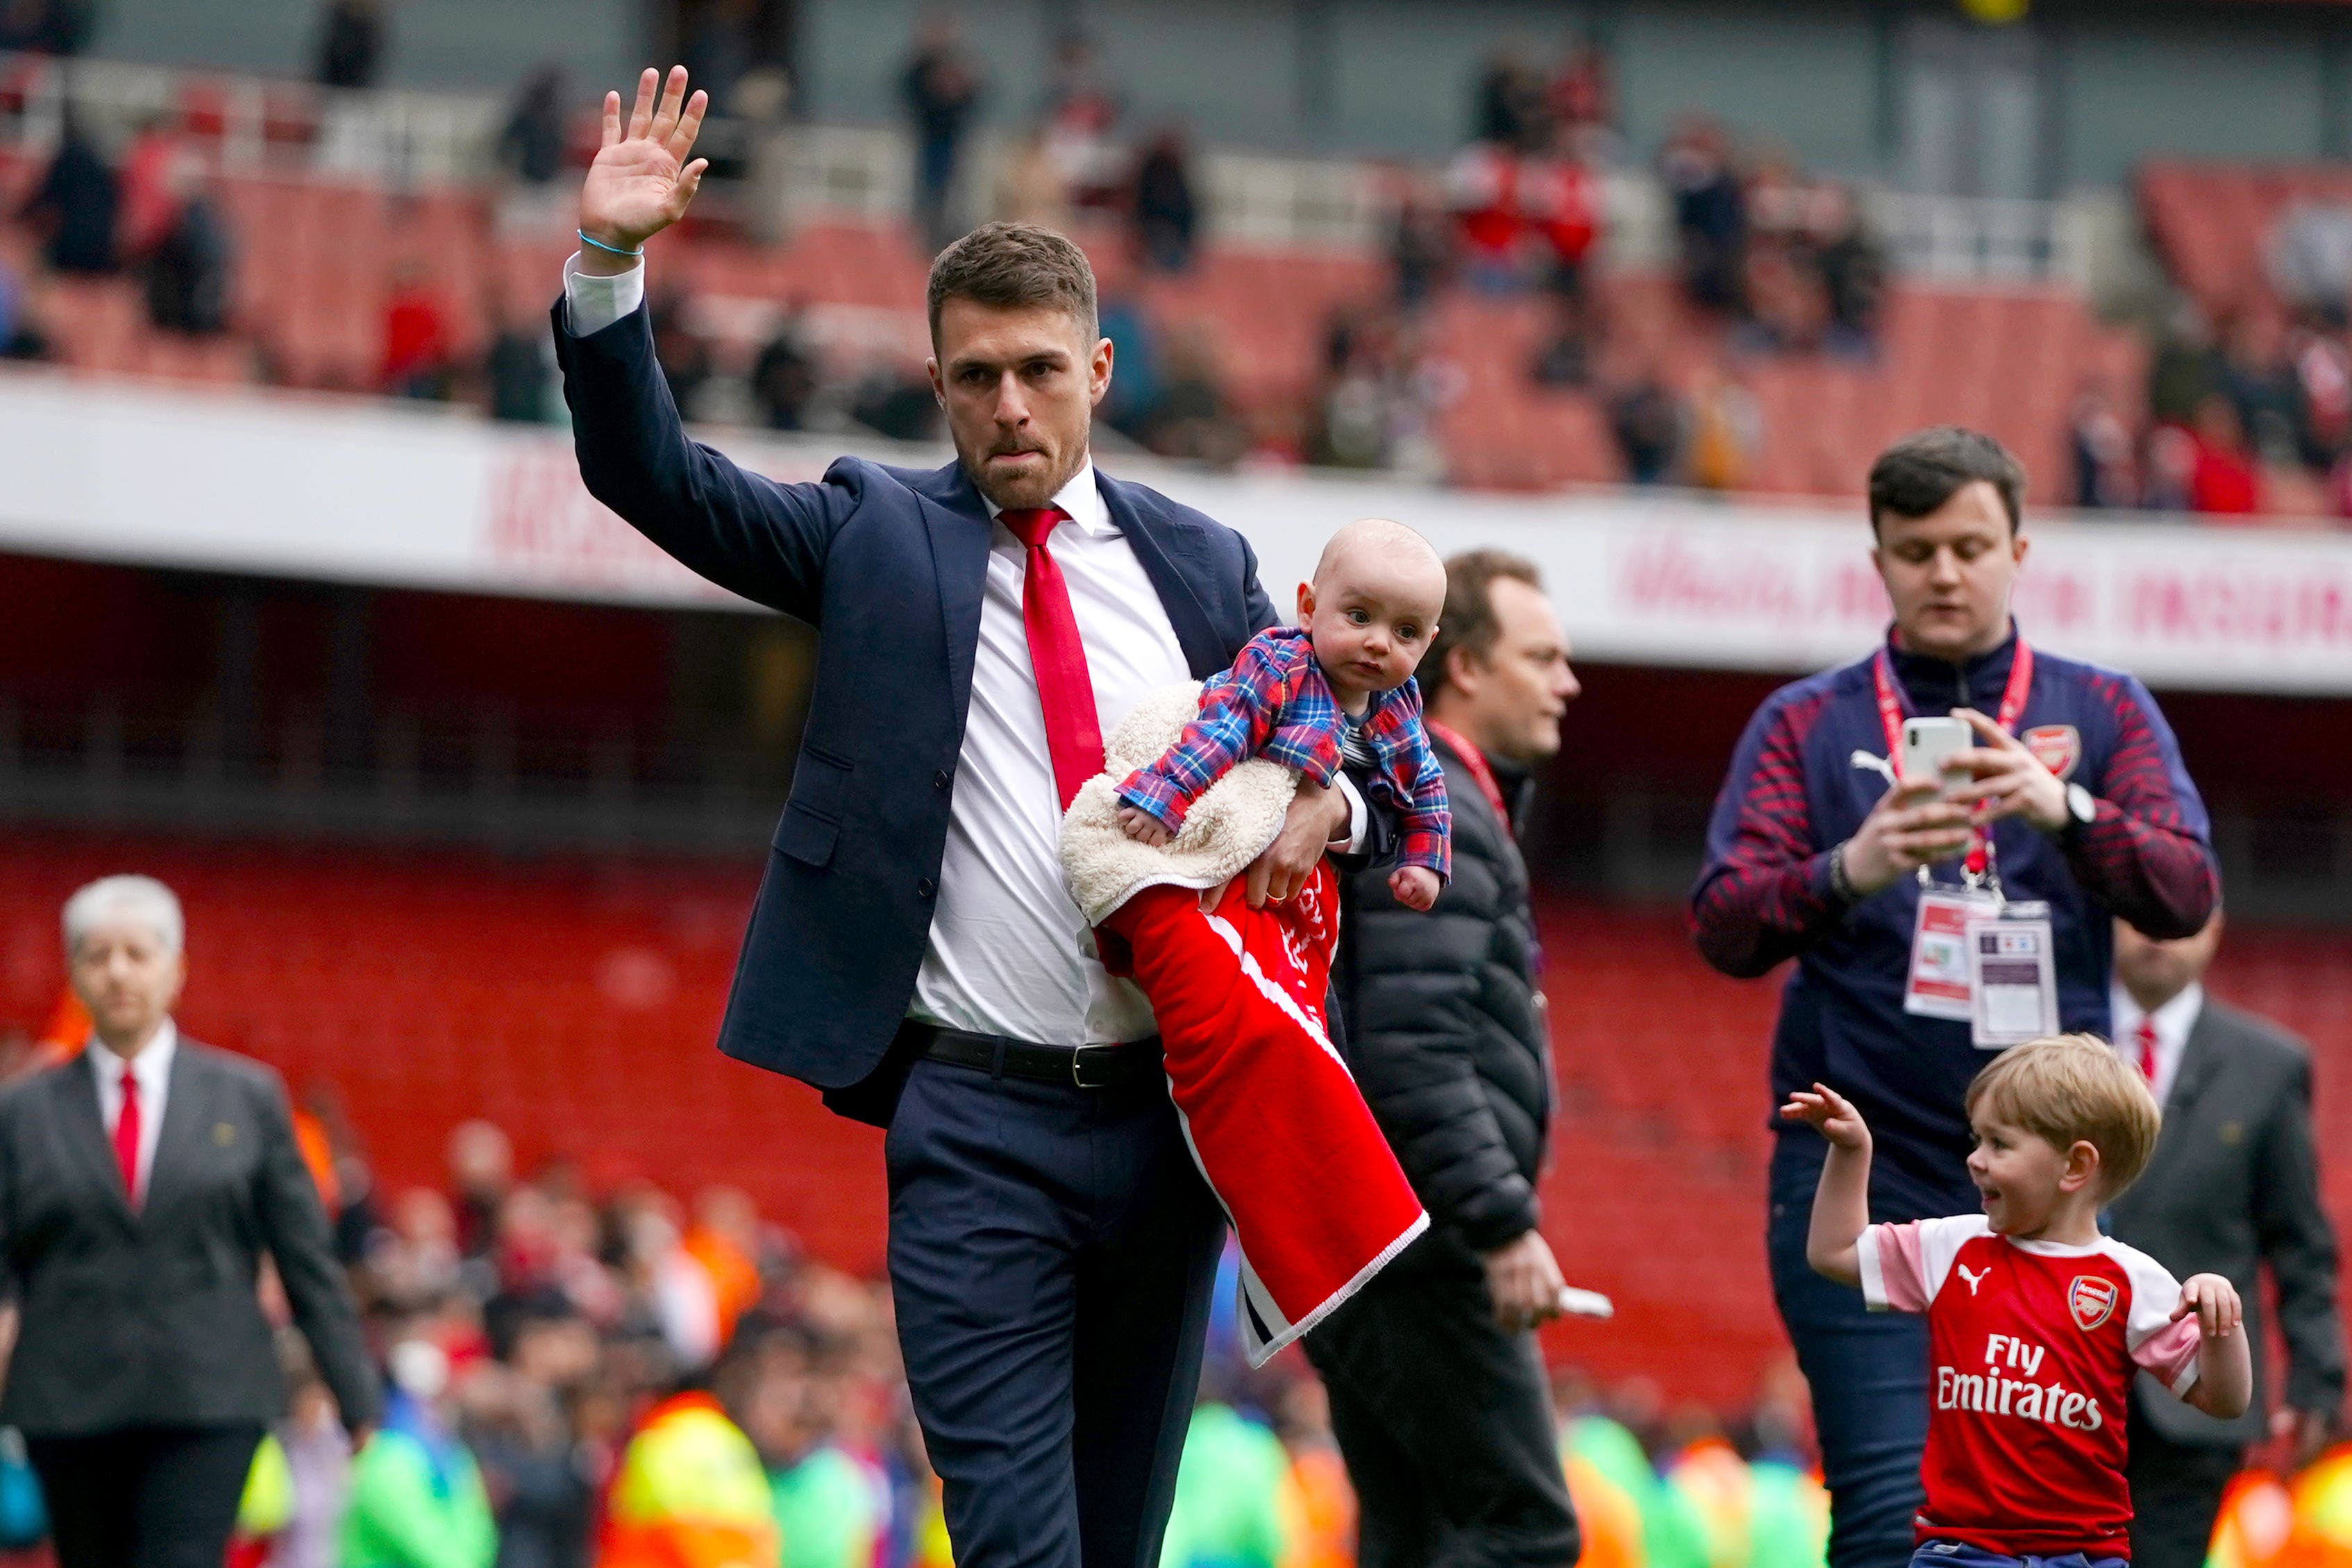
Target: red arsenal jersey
[(2033, 1349)]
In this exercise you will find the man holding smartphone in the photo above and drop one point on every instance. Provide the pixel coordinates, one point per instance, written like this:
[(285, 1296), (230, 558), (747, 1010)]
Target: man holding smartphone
[(1936, 919)]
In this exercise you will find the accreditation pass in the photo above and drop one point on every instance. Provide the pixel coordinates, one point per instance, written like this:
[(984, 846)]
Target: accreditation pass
[(1941, 984), (2013, 973)]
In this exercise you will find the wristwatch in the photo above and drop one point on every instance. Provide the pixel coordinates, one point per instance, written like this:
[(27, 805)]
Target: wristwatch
[(2081, 810)]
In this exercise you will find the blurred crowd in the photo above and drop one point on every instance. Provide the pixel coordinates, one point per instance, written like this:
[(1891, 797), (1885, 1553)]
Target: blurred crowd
[(148, 214), (2248, 413), (575, 1378), (1783, 254), (2243, 412)]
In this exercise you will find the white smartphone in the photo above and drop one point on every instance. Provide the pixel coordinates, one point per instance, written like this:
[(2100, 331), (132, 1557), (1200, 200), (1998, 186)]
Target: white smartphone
[(1928, 748)]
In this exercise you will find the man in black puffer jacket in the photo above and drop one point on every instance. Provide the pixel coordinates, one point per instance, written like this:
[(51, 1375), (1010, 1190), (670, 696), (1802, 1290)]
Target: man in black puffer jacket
[(1438, 1394)]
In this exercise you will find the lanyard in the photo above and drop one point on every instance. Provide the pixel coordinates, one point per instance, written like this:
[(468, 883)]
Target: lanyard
[(1482, 774), (1893, 710)]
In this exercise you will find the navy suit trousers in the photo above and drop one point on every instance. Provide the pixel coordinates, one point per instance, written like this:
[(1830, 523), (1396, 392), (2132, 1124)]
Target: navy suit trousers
[(1869, 1376), (1052, 1251)]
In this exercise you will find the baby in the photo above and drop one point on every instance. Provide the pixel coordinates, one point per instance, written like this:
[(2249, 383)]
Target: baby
[(1336, 689)]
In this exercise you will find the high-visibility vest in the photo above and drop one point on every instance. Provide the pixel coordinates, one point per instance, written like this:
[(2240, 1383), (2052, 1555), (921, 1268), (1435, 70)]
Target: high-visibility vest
[(691, 1493)]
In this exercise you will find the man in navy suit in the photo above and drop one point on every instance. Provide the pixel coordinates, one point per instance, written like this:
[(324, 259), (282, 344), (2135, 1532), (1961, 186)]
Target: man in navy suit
[(913, 951)]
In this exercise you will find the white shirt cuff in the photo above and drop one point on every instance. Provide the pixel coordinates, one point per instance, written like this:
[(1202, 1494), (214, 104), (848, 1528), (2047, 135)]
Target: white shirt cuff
[(1355, 841), (593, 302)]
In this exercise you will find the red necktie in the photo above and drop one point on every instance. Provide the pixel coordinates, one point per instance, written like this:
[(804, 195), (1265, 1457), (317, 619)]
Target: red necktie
[(126, 1137), (1065, 690), (2147, 1038)]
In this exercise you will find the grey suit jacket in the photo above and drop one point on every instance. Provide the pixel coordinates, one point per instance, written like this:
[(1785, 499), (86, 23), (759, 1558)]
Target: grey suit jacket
[(2235, 1185), (150, 1319)]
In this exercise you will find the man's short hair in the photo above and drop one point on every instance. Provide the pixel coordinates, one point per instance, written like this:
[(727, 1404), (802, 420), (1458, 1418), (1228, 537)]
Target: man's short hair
[(1015, 267), (141, 898), (2071, 1088), (1468, 620), (1928, 467)]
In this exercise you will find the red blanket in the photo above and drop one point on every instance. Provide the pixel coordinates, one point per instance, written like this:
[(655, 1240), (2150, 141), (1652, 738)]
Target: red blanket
[(1276, 1123)]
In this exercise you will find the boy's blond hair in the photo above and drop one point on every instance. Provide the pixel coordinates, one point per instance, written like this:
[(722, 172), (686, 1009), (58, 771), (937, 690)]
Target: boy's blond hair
[(2074, 1088)]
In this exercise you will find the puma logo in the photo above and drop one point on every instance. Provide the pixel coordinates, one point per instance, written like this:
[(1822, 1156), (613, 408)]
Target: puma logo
[(1974, 1280)]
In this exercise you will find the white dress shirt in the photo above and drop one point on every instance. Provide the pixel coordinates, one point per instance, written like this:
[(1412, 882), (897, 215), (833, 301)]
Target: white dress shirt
[(152, 1069), (2173, 1021), (1008, 952)]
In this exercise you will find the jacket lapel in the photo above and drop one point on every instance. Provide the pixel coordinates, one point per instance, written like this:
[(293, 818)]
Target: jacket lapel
[(959, 529), (2200, 1059), (187, 1109), (75, 1089), (1159, 545)]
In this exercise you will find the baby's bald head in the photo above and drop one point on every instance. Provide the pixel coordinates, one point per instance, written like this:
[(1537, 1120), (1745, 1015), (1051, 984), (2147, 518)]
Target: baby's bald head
[(1373, 607), (1375, 552)]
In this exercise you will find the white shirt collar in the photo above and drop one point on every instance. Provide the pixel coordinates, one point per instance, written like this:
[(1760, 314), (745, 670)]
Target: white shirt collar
[(151, 1066), (1081, 497), (2173, 1021)]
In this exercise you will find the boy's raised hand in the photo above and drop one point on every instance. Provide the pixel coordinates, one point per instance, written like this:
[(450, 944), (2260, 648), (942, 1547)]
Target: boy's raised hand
[(1830, 1115), (2214, 1300)]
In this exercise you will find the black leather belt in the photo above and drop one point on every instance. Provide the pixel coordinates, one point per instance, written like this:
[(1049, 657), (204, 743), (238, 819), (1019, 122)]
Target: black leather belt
[(1086, 1067)]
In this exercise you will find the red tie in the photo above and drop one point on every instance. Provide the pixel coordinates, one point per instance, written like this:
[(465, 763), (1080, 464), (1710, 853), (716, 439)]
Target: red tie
[(2147, 1038), (1065, 690), (126, 1137)]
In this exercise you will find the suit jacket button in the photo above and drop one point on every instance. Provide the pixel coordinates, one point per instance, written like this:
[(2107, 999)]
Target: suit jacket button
[(925, 888), (940, 779)]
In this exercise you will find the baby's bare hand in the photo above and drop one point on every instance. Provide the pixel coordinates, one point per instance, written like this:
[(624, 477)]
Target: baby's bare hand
[(1142, 826), (1414, 886)]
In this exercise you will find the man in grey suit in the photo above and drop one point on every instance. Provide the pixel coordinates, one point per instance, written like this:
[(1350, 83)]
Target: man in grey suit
[(140, 1184), (2234, 1185)]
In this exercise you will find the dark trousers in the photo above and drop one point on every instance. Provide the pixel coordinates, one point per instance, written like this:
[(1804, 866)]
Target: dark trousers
[(2175, 1492), (1052, 1250), (1444, 1420), (148, 1496), (1869, 1376)]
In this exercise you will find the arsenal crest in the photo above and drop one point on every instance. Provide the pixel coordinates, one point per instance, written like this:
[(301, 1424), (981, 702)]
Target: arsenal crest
[(2092, 1301), (2057, 746)]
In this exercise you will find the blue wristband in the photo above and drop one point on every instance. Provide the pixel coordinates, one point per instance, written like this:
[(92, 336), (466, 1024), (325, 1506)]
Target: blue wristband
[(587, 238)]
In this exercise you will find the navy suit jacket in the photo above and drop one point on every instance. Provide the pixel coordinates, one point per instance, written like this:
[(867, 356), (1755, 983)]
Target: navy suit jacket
[(888, 564)]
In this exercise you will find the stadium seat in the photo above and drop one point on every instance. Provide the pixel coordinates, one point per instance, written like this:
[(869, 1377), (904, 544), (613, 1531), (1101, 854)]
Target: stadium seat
[(2211, 222)]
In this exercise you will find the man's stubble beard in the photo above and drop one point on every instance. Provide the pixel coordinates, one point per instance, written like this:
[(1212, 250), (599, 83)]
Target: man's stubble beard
[(1025, 494)]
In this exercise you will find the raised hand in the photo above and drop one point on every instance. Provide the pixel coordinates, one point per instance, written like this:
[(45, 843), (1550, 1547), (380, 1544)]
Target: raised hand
[(2214, 1300), (641, 183), (1830, 1115)]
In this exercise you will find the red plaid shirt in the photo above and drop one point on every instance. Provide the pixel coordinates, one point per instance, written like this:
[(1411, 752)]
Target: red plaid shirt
[(1275, 703)]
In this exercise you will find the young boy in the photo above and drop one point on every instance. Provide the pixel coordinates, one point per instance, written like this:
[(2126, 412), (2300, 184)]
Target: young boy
[(2036, 1321), (1338, 688)]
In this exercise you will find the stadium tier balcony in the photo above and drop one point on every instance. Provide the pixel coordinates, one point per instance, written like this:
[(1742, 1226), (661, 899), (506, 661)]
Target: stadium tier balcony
[(328, 196)]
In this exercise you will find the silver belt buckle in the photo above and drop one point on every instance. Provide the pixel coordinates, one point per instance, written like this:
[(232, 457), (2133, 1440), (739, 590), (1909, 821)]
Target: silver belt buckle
[(1078, 1070)]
